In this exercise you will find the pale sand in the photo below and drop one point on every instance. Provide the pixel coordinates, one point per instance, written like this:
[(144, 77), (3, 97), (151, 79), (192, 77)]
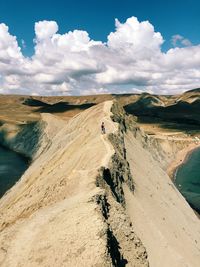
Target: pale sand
[(161, 217), (48, 218), (180, 159), (56, 215)]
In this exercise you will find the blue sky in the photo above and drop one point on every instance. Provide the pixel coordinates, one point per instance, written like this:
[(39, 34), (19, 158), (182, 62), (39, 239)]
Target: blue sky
[(170, 17), (81, 47)]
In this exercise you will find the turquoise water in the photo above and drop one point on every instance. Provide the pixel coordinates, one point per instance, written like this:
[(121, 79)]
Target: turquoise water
[(12, 166), (187, 179)]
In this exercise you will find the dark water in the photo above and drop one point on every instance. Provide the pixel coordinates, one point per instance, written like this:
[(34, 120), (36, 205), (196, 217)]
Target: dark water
[(187, 179), (12, 166)]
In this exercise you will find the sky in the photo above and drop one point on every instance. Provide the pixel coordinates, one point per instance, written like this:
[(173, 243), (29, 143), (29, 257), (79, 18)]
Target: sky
[(97, 46)]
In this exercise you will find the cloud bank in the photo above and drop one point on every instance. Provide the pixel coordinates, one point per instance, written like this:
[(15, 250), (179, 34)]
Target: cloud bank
[(72, 64)]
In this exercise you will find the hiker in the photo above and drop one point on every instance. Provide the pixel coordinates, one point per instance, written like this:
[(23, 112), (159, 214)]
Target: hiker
[(103, 130)]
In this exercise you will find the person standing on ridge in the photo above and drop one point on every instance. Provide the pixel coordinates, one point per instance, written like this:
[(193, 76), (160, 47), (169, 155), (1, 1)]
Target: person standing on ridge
[(103, 130)]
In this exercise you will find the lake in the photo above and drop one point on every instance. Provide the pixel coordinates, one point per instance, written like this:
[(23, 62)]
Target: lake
[(187, 179)]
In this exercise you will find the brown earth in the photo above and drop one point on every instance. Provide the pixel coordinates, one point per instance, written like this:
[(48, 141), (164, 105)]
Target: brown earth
[(96, 200)]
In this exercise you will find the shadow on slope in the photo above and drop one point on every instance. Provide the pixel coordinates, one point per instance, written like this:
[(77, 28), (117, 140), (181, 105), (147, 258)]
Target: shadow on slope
[(16, 153), (196, 90), (25, 141), (12, 167), (62, 107), (59, 107), (34, 103), (181, 115)]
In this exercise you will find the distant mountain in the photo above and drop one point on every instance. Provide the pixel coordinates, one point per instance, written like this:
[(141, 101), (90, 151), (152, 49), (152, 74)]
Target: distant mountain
[(197, 90), (184, 109)]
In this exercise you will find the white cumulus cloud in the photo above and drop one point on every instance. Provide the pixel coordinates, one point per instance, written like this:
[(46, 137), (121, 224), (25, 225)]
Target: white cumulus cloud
[(134, 35), (45, 29), (72, 63)]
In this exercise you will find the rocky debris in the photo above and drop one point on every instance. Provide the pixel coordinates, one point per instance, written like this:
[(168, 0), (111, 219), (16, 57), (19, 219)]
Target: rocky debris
[(124, 247), (118, 171)]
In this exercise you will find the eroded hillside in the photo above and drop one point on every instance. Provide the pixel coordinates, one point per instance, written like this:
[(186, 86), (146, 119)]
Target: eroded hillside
[(90, 199), (64, 210)]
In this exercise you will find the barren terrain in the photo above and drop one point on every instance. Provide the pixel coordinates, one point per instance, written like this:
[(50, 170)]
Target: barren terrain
[(90, 199)]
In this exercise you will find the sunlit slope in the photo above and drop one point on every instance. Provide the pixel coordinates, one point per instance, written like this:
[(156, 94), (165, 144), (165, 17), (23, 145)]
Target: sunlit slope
[(49, 208), (56, 215), (161, 217)]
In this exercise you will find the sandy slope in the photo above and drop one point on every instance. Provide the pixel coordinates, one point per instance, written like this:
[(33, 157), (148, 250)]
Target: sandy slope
[(57, 215), (163, 220), (49, 215)]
